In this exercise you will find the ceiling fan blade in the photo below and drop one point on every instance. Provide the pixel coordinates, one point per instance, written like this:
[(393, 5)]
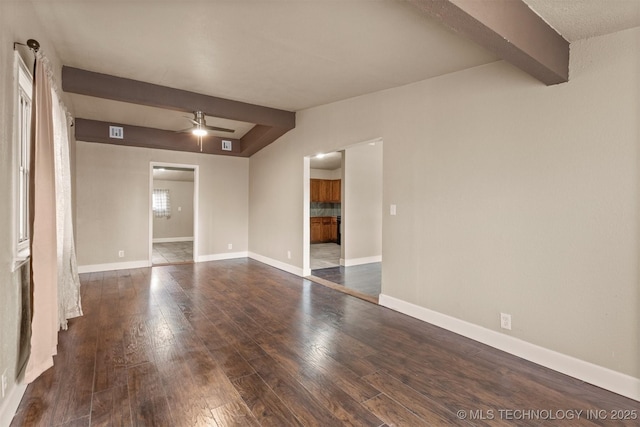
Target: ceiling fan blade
[(185, 130), (214, 128)]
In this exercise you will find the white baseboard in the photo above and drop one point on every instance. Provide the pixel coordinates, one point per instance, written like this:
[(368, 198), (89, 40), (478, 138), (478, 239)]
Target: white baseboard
[(222, 256), (277, 264), (360, 261), (113, 266), (608, 379), (172, 239), (10, 405)]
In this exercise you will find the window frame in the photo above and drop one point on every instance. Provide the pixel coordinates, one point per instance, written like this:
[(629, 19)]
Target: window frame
[(22, 126)]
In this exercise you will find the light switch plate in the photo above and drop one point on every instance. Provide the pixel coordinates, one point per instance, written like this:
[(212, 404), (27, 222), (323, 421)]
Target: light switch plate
[(226, 145)]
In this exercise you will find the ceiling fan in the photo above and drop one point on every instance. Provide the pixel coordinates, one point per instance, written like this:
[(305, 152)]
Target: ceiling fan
[(201, 129)]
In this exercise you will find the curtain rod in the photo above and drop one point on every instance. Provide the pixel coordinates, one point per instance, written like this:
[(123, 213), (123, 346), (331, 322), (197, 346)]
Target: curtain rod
[(32, 44)]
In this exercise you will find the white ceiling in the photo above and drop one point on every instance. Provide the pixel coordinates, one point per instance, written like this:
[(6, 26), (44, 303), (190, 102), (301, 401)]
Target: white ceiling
[(287, 54), (581, 19), (328, 161)]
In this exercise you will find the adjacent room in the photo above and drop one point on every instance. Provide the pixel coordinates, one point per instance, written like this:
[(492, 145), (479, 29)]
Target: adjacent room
[(320, 213), (173, 215), (345, 190)]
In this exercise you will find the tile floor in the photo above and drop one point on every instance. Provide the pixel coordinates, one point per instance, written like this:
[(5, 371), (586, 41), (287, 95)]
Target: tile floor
[(365, 278), (325, 264), (172, 253), (324, 255)]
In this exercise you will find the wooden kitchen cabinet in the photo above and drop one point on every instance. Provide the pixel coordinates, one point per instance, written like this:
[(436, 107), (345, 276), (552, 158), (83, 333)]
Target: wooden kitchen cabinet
[(335, 190), (324, 229), (315, 190), (325, 190), (316, 230)]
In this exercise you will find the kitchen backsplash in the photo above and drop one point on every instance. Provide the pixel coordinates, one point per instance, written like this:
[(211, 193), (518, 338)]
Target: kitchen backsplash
[(325, 209)]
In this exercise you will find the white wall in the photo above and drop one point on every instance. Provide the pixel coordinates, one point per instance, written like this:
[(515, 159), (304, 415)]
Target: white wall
[(362, 204), (325, 174), (180, 223), (512, 196), (113, 202)]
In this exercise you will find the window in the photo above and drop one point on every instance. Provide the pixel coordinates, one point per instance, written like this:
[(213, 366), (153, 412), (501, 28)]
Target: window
[(22, 150), (161, 204)]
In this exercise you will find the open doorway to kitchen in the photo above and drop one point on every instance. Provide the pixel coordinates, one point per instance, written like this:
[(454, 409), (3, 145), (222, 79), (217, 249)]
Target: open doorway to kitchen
[(344, 216), (325, 210), (173, 213)]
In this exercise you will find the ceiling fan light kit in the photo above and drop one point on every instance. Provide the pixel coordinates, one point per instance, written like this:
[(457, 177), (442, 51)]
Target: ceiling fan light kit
[(200, 127)]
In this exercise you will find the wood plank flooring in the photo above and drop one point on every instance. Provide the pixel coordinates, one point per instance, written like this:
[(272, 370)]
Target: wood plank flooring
[(238, 343)]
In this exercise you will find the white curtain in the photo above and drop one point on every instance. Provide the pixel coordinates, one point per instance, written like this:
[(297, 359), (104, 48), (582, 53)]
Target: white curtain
[(42, 201), (69, 304), (161, 203), (55, 284)]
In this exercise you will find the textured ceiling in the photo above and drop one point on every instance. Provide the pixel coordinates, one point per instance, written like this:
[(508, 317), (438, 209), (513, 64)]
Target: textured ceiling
[(286, 54), (581, 19)]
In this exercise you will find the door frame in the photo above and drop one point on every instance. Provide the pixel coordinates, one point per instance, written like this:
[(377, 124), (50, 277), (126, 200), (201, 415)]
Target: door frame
[(306, 200), (196, 192)]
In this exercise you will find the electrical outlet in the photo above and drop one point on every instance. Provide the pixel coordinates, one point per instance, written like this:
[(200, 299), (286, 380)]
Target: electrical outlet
[(289, 254), (120, 254), (230, 246), (4, 382), (505, 321)]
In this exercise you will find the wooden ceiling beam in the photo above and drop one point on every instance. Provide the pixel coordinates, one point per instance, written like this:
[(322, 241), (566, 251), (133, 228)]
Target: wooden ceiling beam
[(259, 137), (270, 123), (137, 136), (508, 28), (75, 80)]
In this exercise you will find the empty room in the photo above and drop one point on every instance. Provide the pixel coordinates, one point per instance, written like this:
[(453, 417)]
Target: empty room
[(311, 212)]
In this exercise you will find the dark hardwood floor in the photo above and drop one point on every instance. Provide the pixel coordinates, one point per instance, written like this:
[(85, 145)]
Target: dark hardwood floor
[(240, 343)]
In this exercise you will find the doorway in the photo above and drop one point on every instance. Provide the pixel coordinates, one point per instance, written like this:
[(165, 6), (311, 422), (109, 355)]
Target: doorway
[(173, 213), (325, 186), (350, 259)]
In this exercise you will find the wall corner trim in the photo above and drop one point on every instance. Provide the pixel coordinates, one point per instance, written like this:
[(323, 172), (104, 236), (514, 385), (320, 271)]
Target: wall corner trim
[(11, 403), (608, 379), (277, 264)]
